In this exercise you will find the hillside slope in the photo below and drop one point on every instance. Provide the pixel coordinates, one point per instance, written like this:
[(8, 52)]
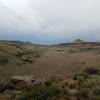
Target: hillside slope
[(45, 61)]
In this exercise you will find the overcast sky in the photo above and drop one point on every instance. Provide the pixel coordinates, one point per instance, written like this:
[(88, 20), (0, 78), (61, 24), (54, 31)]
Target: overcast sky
[(50, 21)]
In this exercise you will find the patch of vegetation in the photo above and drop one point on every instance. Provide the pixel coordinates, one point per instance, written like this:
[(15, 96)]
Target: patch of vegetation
[(3, 60), (84, 86), (80, 88), (83, 63), (44, 92), (60, 50), (34, 53), (92, 70), (81, 76), (29, 56), (86, 49), (71, 51), (85, 92)]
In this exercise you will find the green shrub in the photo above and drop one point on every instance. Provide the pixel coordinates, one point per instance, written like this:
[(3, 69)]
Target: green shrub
[(83, 63), (95, 98), (96, 91), (66, 97), (86, 84), (81, 76), (42, 93), (3, 60), (29, 56), (48, 82), (72, 51), (91, 70), (72, 86), (84, 92)]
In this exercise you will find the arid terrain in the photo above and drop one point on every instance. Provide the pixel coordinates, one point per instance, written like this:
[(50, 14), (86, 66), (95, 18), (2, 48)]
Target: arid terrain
[(67, 71), (43, 61)]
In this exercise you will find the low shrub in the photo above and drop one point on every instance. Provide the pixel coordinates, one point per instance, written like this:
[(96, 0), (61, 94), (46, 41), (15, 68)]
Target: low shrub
[(92, 70), (43, 92), (86, 84), (85, 92), (72, 85), (81, 76), (96, 91), (3, 60), (95, 98)]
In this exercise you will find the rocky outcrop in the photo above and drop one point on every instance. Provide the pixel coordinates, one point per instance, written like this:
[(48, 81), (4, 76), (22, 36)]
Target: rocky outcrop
[(19, 83)]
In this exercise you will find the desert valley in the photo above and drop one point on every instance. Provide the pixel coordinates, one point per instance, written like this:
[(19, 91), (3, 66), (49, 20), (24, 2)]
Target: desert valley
[(70, 67), (19, 58)]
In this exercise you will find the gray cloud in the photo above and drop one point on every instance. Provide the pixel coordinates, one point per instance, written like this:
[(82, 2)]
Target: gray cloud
[(51, 19)]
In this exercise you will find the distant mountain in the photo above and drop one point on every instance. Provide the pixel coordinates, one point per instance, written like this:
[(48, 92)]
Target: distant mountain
[(74, 42), (79, 41)]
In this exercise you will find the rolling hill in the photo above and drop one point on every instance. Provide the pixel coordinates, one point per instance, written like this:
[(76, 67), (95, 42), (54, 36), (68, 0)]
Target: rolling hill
[(20, 58)]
